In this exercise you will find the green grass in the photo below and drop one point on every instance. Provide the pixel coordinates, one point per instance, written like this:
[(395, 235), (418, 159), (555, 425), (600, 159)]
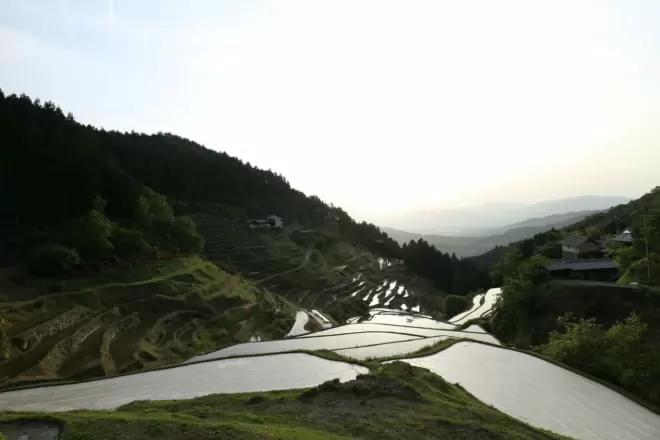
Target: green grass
[(398, 401), (425, 351)]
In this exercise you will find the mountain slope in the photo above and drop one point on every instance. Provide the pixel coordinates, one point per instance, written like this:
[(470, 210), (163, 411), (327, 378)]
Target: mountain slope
[(125, 251), (632, 215), (542, 223), (464, 246), (472, 221)]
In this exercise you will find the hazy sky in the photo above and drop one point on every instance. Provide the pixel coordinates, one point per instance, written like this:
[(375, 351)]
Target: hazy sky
[(376, 106)]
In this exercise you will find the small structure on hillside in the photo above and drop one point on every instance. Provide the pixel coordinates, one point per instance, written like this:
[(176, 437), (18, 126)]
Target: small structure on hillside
[(575, 247), (270, 222), (592, 270), (625, 237)]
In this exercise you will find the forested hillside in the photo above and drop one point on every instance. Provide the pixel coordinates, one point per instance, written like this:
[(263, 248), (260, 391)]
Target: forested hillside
[(123, 251), (53, 170), (608, 330)]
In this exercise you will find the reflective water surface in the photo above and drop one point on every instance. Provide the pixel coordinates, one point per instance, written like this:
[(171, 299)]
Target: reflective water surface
[(392, 349), (276, 372), (542, 393), (368, 327), (317, 343), (298, 327)]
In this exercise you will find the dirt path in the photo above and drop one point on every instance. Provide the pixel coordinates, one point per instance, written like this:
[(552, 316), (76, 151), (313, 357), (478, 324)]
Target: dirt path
[(300, 266)]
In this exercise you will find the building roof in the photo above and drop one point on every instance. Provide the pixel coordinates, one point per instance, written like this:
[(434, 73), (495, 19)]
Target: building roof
[(581, 265), (574, 240), (625, 237)]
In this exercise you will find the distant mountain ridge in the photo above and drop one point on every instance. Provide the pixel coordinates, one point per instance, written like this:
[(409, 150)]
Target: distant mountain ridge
[(553, 221), (494, 218), (467, 246)]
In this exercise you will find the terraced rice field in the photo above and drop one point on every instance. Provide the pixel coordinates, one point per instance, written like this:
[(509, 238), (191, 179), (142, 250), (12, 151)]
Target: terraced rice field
[(277, 372), (390, 349), (334, 343), (104, 329), (129, 319), (386, 333), (542, 394), (482, 305), (523, 386)]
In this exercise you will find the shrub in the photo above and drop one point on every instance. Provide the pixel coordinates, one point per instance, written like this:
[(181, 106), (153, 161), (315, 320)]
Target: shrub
[(185, 236), (582, 345), (52, 260), (91, 234), (129, 243), (624, 353)]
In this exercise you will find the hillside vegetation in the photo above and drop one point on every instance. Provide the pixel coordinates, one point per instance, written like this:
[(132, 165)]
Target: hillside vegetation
[(126, 251), (610, 331)]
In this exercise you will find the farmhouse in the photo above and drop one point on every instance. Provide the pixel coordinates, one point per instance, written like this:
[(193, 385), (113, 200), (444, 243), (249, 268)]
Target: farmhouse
[(576, 247), (270, 222), (593, 270)]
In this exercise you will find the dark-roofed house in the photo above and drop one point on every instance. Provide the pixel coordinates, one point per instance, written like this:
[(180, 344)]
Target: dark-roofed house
[(575, 247), (594, 270)]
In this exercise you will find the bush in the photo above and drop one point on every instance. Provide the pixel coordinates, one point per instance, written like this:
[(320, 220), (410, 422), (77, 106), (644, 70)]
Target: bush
[(178, 232), (91, 234), (52, 260), (129, 243), (455, 304), (583, 345), (624, 353)]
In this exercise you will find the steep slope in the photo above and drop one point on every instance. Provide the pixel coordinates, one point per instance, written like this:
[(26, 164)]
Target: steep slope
[(125, 251)]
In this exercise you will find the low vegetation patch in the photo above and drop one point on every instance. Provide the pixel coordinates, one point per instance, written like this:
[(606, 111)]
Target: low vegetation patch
[(623, 354)]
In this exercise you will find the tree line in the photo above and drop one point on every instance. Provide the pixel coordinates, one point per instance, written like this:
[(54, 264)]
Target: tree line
[(450, 274), (55, 171)]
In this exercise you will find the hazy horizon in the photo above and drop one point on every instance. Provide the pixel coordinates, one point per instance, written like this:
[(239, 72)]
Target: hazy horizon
[(375, 106)]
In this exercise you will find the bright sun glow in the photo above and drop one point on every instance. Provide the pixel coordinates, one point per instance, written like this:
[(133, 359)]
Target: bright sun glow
[(376, 106)]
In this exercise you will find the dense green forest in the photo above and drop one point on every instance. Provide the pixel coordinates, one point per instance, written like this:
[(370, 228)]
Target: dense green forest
[(119, 193), (450, 273)]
